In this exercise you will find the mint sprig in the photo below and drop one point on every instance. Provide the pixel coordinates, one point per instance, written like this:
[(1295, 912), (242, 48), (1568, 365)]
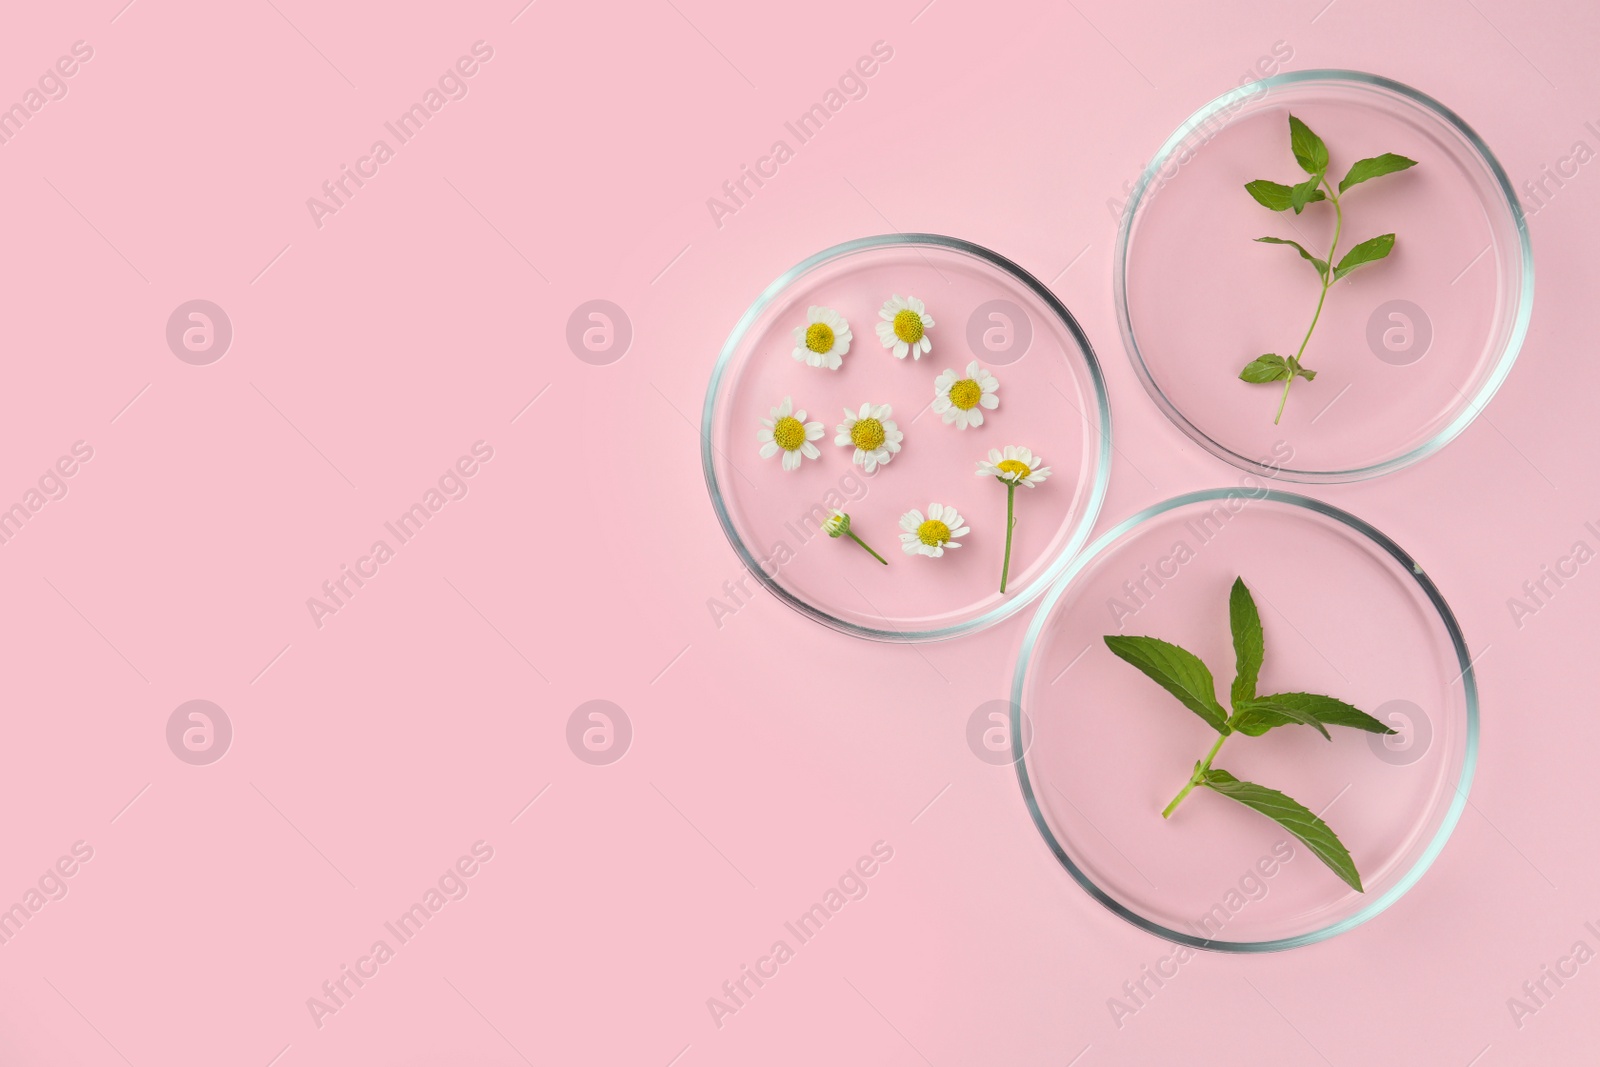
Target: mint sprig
[(1184, 675), (1312, 154)]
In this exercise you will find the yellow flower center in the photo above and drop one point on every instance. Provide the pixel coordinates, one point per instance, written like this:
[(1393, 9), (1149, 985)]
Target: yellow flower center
[(933, 533), (867, 434), (1016, 468), (819, 337), (908, 326), (789, 432), (965, 394)]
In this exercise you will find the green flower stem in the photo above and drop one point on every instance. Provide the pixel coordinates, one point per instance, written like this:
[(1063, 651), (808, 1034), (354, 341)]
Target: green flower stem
[(866, 546), (1194, 779), (1011, 520), (1327, 283)]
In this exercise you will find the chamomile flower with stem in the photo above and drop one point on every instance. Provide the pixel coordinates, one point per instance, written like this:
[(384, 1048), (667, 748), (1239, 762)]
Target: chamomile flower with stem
[(873, 433), (787, 431), (823, 340), (930, 536), (838, 525), (963, 401), (1012, 466), (903, 326)]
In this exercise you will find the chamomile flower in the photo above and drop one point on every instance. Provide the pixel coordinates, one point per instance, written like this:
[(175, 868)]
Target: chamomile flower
[(904, 326), (964, 400), (838, 525), (873, 433), (823, 340), (1012, 466), (789, 432), (932, 535)]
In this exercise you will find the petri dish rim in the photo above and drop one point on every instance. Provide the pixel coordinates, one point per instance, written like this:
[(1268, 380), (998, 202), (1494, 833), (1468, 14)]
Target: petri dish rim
[(1492, 381), (1469, 686), (1102, 462)]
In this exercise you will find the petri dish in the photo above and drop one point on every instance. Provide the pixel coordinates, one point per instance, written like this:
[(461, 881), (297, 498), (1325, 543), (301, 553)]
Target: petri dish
[(1348, 614), (1407, 350), (1052, 400)]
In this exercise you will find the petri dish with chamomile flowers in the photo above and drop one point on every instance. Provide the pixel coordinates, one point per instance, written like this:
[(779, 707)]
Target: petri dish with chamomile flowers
[(878, 414)]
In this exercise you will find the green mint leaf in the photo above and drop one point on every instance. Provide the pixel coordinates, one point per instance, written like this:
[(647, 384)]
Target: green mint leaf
[(1254, 723), (1267, 368), (1282, 197), (1309, 151), (1265, 710), (1376, 167), (1329, 711), (1178, 671), (1269, 194), (1249, 647), (1368, 251), (1319, 264), (1296, 369), (1305, 193), (1292, 816)]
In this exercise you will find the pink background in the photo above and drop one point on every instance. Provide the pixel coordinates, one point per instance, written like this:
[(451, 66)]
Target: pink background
[(767, 754)]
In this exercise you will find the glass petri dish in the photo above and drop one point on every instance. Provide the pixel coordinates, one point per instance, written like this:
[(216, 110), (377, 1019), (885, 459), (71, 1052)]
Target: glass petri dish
[(1052, 400), (1407, 350), (1346, 613)]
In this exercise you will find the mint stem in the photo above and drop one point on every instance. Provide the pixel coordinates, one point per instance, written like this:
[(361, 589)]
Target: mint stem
[(868, 547), (1011, 500), (1327, 282), (1194, 779)]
